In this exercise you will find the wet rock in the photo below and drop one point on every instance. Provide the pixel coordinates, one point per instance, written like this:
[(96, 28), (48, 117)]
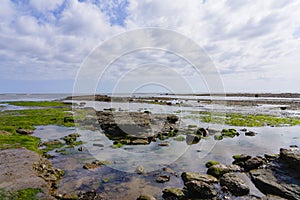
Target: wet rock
[(69, 197), (234, 184), (24, 131), (172, 119), (240, 159), (211, 163), (176, 193), (271, 157), (243, 130), (254, 163), (250, 133), (193, 176), (98, 145), (145, 197), (164, 144), (281, 185), (80, 148), (140, 142), (162, 179), (229, 132), (202, 131), (200, 189), (95, 164), (192, 139), (291, 157), (217, 170)]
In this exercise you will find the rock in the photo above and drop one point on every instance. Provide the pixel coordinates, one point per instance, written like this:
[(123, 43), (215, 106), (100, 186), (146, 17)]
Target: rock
[(169, 170), (17, 172), (52, 143), (80, 148), (234, 184), (172, 119), (202, 131), (217, 170), (291, 157), (239, 159), (233, 168), (250, 133), (253, 163), (173, 193), (271, 157), (229, 132), (69, 197), (24, 131), (200, 189), (140, 142), (140, 170), (193, 176), (145, 197), (269, 182), (4, 132), (164, 144), (192, 139), (95, 164), (98, 145), (91, 195), (243, 129), (211, 163), (162, 179)]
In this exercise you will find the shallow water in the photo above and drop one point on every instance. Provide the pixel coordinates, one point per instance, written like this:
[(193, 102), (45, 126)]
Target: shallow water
[(119, 180)]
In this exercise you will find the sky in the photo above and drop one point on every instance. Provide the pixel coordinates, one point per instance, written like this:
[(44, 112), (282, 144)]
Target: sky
[(251, 45)]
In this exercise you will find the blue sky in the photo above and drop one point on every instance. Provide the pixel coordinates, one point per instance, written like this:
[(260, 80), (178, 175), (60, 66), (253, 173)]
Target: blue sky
[(254, 45)]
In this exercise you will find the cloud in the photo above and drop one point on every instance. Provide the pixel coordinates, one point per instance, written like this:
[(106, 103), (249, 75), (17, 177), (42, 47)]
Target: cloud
[(50, 39)]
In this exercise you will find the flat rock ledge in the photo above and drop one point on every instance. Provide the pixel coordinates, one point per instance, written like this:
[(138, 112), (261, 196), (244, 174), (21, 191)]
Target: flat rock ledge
[(17, 171)]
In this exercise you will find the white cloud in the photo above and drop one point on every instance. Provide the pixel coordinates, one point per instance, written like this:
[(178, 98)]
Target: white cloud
[(49, 39)]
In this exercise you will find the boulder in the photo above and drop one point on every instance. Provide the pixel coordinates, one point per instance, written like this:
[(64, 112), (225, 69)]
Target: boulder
[(291, 157), (210, 163), (250, 133), (193, 176), (200, 189), (234, 184), (269, 182), (254, 163), (140, 141)]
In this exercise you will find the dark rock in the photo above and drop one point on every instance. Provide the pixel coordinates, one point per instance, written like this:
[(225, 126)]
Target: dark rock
[(172, 119), (193, 176), (91, 195), (202, 131), (98, 145), (80, 148), (254, 163), (271, 157), (24, 131), (250, 133), (243, 129), (52, 143), (240, 159), (171, 171), (145, 197), (174, 193), (164, 144), (163, 179), (200, 189), (268, 182), (291, 157), (192, 139), (234, 184)]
